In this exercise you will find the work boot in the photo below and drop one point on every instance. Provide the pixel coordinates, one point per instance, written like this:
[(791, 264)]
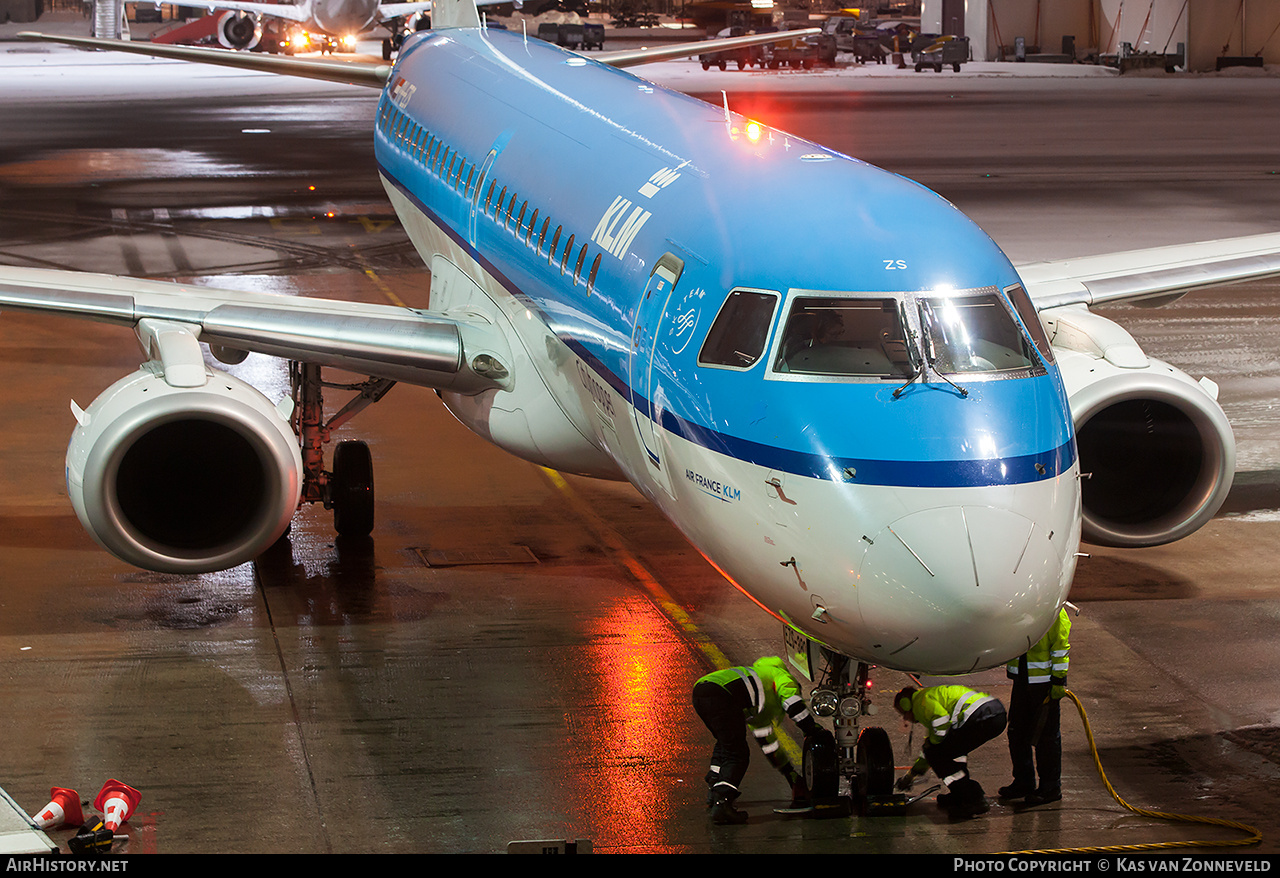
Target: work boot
[(1043, 797), (800, 797), (964, 799), (1016, 791), (724, 814)]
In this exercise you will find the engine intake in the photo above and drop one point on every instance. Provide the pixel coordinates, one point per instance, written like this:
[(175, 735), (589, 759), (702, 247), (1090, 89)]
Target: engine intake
[(238, 31), (1157, 450), (183, 480)]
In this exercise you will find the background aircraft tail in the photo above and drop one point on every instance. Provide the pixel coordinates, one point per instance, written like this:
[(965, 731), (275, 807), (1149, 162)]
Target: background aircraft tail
[(454, 13)]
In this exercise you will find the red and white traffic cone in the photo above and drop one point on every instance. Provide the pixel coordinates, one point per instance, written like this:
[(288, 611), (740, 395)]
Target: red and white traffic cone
[(62, 810), (116, 801)]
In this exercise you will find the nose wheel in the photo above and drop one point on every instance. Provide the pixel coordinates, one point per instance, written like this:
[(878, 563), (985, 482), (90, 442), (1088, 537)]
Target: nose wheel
[(863, 758), (874, 767)]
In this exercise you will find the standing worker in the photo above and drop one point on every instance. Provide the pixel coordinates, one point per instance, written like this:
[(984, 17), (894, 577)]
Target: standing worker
[(729, 701), (1039, 682), (958, 721)]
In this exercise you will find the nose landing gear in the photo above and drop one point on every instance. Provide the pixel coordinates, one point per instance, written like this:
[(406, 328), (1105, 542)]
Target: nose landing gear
[(853, 772)]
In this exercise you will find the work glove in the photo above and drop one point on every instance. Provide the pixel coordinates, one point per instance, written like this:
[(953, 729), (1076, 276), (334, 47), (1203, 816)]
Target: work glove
[(906, 782), (820, 735), (1056, 692)]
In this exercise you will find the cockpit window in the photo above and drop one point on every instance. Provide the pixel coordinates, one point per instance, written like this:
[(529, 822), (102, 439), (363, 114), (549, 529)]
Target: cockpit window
[(740, 330), (1031, 320), (843, 336), (972, 334)]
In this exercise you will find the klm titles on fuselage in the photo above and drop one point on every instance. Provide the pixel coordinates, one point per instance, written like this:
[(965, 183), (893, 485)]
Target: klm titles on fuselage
[(624, 219)]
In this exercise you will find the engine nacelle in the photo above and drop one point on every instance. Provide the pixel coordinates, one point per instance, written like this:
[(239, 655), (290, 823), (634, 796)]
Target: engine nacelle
[(183, 479), (238, 31), (1157, 448)]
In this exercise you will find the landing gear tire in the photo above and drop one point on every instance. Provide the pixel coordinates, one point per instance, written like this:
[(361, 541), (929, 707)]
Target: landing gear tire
[(874, 756), (821, 767), (351, 489)]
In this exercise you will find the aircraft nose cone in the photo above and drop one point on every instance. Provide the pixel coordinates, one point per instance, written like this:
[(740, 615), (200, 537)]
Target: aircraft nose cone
[(953, 589)]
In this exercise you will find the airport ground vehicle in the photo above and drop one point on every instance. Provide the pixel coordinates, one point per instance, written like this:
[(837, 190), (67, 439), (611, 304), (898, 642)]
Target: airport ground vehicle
[(936, 52)]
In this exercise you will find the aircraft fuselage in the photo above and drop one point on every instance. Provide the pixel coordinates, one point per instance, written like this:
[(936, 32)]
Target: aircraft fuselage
[(342, 17), (822, 373)]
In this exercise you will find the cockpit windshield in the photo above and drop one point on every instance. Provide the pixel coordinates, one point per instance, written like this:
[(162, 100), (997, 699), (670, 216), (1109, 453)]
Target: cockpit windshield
[(860, 337), (973, 334), (905, 336)]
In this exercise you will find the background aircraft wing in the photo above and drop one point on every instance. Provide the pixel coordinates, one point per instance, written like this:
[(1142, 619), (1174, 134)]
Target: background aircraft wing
[(352, 72), (635, 57), (1157, 275), (273, 10), (384, 341), (388, 11)]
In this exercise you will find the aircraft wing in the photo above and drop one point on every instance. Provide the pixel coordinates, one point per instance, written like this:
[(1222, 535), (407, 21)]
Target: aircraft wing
[(635, 57), (1156, 276), (383, 341), (388, 11), (351, 72), (271, 10)]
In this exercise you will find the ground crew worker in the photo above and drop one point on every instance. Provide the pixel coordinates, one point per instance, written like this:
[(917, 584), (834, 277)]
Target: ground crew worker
[(958, 721), (761, 695), (1035, 731)]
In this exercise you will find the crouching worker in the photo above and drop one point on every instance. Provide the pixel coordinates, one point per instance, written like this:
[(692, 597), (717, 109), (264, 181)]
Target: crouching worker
[(734, 699), (958, 721)]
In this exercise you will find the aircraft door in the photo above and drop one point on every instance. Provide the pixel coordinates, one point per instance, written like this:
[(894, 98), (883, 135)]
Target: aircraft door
[(479, 192), (647, 399)]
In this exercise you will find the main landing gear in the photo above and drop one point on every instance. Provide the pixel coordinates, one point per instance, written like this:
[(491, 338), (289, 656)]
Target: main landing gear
[(348, 489), (862, 759)]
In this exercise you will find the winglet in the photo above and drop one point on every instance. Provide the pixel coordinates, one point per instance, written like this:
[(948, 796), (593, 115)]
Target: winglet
[(454, 13)]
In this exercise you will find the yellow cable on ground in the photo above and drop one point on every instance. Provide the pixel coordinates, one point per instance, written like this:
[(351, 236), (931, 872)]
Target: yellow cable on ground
[(1255, 835)]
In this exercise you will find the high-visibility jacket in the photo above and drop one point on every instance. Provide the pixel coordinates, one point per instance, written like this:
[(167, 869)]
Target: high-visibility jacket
[(943, 708), (772, 693), (1047, 661)]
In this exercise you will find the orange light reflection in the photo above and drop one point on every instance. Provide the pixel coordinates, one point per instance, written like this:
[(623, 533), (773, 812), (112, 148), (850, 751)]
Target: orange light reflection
[(641, 671)]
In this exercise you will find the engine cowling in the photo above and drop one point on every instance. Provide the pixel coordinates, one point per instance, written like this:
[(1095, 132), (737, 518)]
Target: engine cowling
[(1157, 449), (183, 479), (238, 31)]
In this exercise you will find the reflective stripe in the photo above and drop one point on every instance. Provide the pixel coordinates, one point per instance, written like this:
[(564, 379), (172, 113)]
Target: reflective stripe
[(796, 708), (754, 688), (952, 778), (963, 710)]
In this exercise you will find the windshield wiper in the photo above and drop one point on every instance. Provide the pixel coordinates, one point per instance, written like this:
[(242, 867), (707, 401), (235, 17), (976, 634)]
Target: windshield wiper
[(930, 353)]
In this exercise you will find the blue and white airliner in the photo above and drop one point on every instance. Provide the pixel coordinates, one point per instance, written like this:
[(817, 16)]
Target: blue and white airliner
[(862, 414)]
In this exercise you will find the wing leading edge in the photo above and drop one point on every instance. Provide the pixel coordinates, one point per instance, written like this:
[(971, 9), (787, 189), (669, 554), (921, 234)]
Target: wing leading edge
[(384, 341), (1153, 276), (351, 72)]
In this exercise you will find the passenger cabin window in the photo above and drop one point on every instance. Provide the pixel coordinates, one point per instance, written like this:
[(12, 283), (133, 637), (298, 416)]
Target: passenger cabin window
[(844, 337), (739, 332), (591, 278), (564, 257), (973, 334)]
